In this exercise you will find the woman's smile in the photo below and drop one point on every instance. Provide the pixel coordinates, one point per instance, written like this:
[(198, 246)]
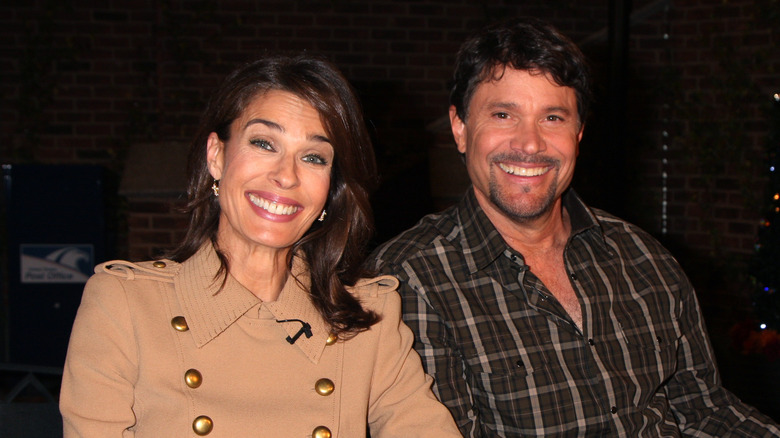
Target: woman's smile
[(276, 206)]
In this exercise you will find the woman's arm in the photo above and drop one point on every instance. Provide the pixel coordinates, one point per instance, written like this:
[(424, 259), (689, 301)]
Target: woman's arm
[(401, 402), (96, 399)]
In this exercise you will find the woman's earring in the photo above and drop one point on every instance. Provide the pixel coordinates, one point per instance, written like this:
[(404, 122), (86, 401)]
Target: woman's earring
[(215, 187), (322, 216)]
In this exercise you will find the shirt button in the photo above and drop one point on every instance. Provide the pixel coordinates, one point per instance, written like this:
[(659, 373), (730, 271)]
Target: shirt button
[(180, 324), (591, 342), (519, 364), (332, 338), (159, 264), (193, 378), (321, 432), (324, 386), (613, 410), (202, 425), (573, 277)]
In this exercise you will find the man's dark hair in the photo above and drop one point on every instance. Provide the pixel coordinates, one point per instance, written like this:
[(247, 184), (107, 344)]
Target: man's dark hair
[(522, 44)]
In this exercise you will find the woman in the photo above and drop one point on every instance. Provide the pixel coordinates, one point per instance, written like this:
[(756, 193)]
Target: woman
[(262, 322)]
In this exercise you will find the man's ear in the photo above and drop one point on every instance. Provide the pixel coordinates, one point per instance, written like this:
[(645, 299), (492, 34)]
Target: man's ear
[(458, 129), (579, 137), (215, 155)]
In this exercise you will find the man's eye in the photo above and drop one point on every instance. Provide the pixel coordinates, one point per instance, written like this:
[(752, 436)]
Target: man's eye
[(315, 159), (501, 115), (554, 118), (263, 144)]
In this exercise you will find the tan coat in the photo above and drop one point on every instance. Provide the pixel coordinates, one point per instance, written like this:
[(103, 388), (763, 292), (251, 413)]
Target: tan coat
[(156, 351)]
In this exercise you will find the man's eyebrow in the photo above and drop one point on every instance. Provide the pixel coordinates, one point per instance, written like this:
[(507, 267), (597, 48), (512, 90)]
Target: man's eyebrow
[(512, 105), (502, 105), (558, 109), (277, 127)]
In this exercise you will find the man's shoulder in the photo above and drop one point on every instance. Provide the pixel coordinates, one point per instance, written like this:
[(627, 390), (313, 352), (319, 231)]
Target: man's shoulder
[(416, 240), (622, 233)]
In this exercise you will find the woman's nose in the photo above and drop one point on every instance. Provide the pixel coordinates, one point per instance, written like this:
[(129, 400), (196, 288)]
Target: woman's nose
[(286, 173)]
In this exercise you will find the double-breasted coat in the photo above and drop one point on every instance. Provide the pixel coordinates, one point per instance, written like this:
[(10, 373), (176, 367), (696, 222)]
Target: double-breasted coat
[(158, 349)]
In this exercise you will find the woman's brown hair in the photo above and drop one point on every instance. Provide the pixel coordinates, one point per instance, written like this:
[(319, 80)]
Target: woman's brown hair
[(333, 248)]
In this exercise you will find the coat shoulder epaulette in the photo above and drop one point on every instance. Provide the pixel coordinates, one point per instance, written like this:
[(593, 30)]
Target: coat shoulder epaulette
[(375, 286), (160, 270)]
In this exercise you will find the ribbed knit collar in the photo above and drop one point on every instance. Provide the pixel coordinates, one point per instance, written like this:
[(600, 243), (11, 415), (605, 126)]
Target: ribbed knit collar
[(210, 311)]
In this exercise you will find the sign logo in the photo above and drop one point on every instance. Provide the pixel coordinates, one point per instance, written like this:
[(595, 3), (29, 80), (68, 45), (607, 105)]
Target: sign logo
[(56, 263)]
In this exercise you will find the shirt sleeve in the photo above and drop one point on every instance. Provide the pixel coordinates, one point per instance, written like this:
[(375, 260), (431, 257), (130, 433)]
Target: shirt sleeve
[(440, 356), (702, 406), (96, 397), (401, 402)]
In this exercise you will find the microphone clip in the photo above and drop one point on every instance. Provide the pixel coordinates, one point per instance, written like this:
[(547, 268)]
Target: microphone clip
[(305, 330)]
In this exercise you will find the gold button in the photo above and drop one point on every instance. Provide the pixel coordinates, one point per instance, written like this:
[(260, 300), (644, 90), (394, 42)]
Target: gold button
[(321, 432), (324, 386), (203, 425), (180, 324), (193, 378), (158, 264), (331, 339)]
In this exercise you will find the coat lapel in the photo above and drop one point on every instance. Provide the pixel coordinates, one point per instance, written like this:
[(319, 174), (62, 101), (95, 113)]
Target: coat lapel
[(294, 303), (210, 311)]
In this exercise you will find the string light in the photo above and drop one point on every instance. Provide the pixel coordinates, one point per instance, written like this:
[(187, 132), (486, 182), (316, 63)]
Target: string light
[(665, 135)]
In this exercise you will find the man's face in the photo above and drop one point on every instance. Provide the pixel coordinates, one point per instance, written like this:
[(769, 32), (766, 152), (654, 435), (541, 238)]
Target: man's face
[(521, 140)]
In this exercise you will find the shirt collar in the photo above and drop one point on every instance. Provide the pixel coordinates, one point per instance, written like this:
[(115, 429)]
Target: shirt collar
[(210, 310), (480, 240), (482, 243), (581, 217)]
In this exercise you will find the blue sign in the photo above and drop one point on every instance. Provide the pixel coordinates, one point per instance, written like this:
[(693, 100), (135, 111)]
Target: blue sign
[(56, 263)]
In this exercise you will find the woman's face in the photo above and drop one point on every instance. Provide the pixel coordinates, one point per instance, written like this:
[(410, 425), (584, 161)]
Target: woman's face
[(274, 173)]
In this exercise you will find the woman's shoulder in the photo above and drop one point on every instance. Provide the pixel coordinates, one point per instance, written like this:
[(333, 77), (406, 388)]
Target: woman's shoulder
[(379, 295), (163, 270), (374, 286)]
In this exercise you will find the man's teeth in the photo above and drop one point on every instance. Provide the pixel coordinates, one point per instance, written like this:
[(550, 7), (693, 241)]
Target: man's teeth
[(522, 171), (273, 207)]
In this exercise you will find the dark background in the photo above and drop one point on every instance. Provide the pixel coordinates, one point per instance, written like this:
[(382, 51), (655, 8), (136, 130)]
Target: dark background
[(676, 144)]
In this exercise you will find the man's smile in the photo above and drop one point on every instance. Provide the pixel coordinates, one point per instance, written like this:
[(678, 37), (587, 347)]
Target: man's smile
[(524, 171)]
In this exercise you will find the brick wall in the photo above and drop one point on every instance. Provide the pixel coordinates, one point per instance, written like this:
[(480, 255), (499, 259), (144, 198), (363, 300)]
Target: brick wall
[(704, 89), (83, 82), (87, 82)]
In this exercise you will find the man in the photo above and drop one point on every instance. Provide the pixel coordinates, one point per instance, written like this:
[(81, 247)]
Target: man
[(536, 314)]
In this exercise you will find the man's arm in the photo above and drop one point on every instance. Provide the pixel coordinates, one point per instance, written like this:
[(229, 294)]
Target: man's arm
[(702, 406), (434, 343)]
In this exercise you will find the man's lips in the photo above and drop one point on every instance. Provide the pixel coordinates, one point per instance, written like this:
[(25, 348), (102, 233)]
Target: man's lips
[(524, 171)]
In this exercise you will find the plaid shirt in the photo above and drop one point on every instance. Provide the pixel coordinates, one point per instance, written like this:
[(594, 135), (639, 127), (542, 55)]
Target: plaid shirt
[(508, 360)]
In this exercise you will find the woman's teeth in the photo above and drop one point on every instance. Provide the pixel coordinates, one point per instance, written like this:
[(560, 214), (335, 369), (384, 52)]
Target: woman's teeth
[(273, 207)]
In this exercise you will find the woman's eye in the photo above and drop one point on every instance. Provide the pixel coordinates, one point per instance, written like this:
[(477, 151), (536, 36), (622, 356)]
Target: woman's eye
[(263, 144), (315, 159)]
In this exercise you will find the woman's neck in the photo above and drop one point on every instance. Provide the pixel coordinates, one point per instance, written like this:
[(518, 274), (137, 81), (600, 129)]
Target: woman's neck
[(262, 270)]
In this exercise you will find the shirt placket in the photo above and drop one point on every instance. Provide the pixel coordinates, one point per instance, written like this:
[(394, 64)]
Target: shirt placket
[(590, 384)]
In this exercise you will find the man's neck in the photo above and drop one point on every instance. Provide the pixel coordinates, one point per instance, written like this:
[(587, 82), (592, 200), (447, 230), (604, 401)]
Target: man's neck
[(549, 231)]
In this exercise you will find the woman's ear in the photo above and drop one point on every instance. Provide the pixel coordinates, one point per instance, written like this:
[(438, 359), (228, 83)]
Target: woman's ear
[(215, 155)]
